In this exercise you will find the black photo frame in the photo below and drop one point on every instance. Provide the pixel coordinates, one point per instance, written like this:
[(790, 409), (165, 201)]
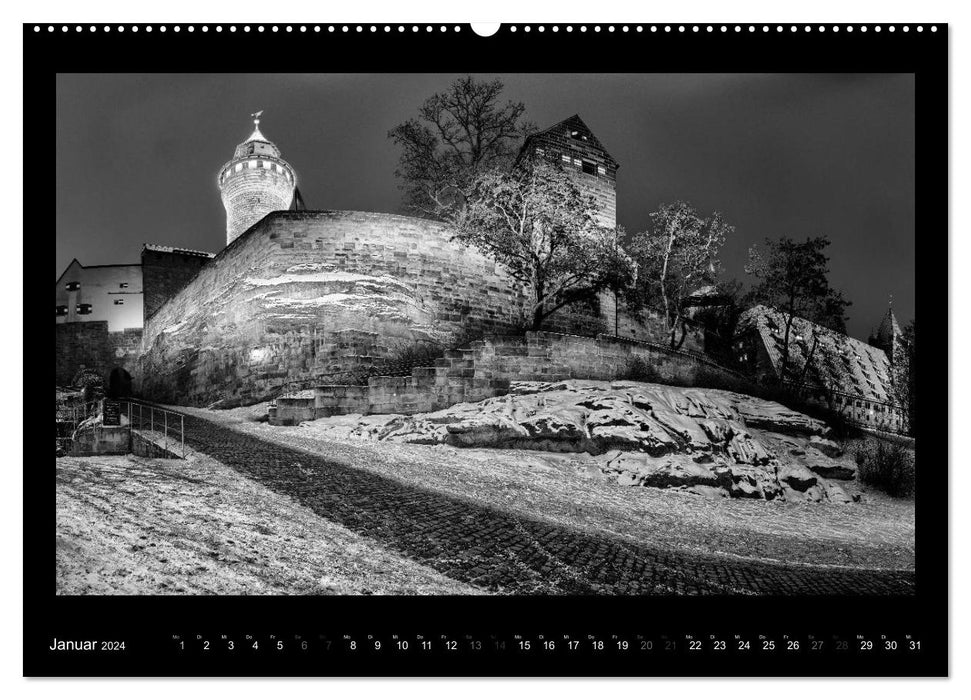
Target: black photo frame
[(153, 626)]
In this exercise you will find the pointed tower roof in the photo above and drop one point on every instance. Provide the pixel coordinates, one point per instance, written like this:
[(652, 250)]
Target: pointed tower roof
[(257, 143), (256, 135), (889, 328), (572, 127)]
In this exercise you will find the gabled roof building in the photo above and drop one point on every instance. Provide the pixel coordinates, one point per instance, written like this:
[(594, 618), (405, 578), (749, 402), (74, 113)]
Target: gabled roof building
[(572, 144), (854, 378)]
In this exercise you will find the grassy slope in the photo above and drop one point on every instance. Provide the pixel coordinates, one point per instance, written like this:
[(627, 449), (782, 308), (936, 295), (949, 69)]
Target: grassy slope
[(878, 533), (128, 525)]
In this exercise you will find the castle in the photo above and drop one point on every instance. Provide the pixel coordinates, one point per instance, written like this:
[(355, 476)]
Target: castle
[(299, 299)]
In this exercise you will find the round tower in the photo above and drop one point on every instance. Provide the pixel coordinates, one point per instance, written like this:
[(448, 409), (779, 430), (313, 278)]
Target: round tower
[(254, 183)]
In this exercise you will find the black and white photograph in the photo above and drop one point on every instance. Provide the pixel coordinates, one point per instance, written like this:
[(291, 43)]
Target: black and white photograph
[(485, 334), (511, 350)]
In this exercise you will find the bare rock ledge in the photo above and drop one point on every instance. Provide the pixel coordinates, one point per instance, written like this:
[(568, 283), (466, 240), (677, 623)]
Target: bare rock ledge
[(715, 443)]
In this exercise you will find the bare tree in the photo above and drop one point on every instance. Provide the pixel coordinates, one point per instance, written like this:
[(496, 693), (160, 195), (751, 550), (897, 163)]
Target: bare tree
[(537, 223), (458, 134), (675, 256)]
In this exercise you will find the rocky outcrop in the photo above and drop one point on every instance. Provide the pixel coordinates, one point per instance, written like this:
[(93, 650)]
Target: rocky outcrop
[(711, 442)]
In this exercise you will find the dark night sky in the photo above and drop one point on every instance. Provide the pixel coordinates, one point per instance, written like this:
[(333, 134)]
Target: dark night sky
[(796, 155)]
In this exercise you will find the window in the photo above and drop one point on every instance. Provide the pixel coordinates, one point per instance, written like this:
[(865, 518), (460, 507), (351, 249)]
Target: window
[(61, 311), (251, 164), (589, 167), (540, 151), (577, 135), (122, 285), (566, 158), (83, 309), (119, 302), (601, 170), (239, 166), (72, 286), (267, 165)]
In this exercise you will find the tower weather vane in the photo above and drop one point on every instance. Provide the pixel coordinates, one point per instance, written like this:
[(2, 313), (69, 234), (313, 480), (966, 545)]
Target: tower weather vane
[(256, 117)]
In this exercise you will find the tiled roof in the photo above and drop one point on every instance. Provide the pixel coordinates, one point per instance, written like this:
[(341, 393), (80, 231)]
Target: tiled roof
[(841, 362), (560, 132), (178, 251)]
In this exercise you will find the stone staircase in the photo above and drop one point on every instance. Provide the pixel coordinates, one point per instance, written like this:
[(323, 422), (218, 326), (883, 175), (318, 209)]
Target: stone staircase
[(481, 370)]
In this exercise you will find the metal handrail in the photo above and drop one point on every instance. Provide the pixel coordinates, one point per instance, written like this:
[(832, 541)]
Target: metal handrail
[(177, 419)]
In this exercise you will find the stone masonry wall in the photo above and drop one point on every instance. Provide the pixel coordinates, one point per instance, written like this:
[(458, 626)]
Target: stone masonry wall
[(487, 367), (307, 298), (558, 146), (77, 346), (89, 345), (165, 273)]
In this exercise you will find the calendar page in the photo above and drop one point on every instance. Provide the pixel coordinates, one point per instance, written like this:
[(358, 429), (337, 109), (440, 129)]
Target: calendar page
[(531, 350)]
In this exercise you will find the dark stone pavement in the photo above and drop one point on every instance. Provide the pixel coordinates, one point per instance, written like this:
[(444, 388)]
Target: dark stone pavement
[(506, 552)]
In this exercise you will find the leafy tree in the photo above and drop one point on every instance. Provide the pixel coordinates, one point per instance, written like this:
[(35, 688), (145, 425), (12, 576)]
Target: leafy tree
[(675, 256), (536, 222), (793, 279), (458, 134)]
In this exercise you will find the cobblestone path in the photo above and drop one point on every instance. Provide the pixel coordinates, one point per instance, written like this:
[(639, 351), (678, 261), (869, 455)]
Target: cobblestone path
[(505, 552)]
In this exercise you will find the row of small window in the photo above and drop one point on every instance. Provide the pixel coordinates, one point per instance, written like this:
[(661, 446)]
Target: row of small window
[(75, 286), (880, 408), (80, 308), (587, 166), (83, 309), (254, 165)]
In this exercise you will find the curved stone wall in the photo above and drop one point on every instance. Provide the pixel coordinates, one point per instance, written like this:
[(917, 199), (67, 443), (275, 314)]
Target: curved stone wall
[(304, 298)]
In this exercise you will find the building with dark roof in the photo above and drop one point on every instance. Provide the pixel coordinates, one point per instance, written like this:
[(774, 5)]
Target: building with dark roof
[(854, 378), (572, 144)]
